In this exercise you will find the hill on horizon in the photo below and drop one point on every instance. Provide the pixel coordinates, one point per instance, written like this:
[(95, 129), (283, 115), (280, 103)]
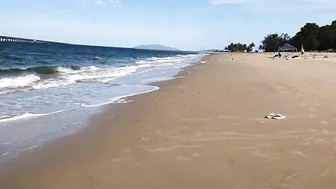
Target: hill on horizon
[(156, 47)]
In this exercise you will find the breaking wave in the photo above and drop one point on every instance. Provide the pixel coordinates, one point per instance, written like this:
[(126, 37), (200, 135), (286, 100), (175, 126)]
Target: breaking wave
[(44, 70), (65, 76)]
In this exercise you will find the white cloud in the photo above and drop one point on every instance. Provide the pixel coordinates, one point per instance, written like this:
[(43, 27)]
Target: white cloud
[(319, 2), (99, 2), (85, 3), (220, 2)]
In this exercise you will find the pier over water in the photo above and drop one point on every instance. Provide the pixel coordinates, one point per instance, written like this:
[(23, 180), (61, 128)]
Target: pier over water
[(7, 39)]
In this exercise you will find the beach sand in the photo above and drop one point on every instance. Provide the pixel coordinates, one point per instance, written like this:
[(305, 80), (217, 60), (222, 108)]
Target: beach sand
[(203, 130)]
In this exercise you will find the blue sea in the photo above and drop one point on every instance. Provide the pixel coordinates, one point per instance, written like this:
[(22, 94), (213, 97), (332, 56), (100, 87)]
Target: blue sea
[(50, 90)]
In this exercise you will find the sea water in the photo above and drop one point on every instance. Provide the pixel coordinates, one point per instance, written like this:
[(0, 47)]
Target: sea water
[(49, 90)]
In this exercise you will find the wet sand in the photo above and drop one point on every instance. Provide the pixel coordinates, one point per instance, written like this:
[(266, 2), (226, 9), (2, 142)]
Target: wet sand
[(204, 130)]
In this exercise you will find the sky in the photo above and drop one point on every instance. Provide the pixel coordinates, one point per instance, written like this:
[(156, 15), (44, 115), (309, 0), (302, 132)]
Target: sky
[(184, 24)]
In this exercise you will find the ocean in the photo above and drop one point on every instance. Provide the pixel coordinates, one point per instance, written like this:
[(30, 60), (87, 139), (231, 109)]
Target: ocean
[(50, 90)]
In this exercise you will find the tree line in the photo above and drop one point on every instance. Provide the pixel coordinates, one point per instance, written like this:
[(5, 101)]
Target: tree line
[(311, 36), (239, 47)]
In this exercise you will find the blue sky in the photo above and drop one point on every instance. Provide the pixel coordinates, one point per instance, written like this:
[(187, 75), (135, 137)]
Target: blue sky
[(185, 24)]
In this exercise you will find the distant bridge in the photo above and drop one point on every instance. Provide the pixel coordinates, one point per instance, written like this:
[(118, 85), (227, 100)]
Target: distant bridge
[(8, 39)]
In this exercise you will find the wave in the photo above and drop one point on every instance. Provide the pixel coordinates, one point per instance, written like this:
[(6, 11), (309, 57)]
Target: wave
[(113, 100), (24, 116), (173, 59), (33, 78), (118, 98), (95, 74), (43, 70), (22, 81), (27, 116), (11, 57), (43, 62), (65, 76), (31, 116)]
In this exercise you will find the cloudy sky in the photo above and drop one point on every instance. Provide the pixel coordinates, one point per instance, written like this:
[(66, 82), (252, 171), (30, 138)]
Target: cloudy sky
[(185, 24)]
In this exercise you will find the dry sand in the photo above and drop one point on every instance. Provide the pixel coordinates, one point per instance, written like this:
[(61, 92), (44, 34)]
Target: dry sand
[(204, 130)]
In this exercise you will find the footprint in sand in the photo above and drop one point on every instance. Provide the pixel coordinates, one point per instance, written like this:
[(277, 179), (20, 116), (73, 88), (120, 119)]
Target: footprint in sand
[(126, 150), (183, 159), (278, 182), (308, 139), (264, 144), (325, 173), (263, 121), (302, 104), (312, 116), (325, 132), (307, 143), (319, 140), (144, 139), (244, 148), (299, 153), (327, 158), (170, 148), (317, 104), (291, 176), (298, 96), (263, 155), (121, 159), (197, 119), (324, 123), (196, 155), (312, 110)]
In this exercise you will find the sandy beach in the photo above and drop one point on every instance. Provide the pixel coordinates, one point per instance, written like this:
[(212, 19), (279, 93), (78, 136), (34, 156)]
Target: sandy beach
[(205, 129)]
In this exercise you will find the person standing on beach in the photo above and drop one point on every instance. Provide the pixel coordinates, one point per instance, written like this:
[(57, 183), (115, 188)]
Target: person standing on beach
[(302, 50)]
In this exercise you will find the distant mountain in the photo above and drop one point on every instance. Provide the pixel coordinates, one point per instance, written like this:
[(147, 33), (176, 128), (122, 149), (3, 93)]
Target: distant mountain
[(156, 47)]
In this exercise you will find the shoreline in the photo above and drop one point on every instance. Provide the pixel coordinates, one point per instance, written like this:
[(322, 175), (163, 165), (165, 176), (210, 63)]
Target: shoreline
[(71, 111), (203, 130), (103, 109)]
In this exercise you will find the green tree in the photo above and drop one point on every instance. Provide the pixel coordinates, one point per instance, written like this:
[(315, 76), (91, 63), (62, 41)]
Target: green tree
[(260, 47), (327, 38), (272, 42), (333, 23), (239, 47), (250, 47), (308, 36)]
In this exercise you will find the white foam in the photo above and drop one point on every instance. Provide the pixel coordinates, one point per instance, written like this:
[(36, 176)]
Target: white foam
[(24, 116), (144, 65), (94, 68), (21, 81), (188, 55), (31, 116), (68, 76), (141, 62), (30, 148), (118, 98), (123, 101), (103, 75), (66, 70), (155, 60), (113, 100), (5, 154), (53, 82)]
